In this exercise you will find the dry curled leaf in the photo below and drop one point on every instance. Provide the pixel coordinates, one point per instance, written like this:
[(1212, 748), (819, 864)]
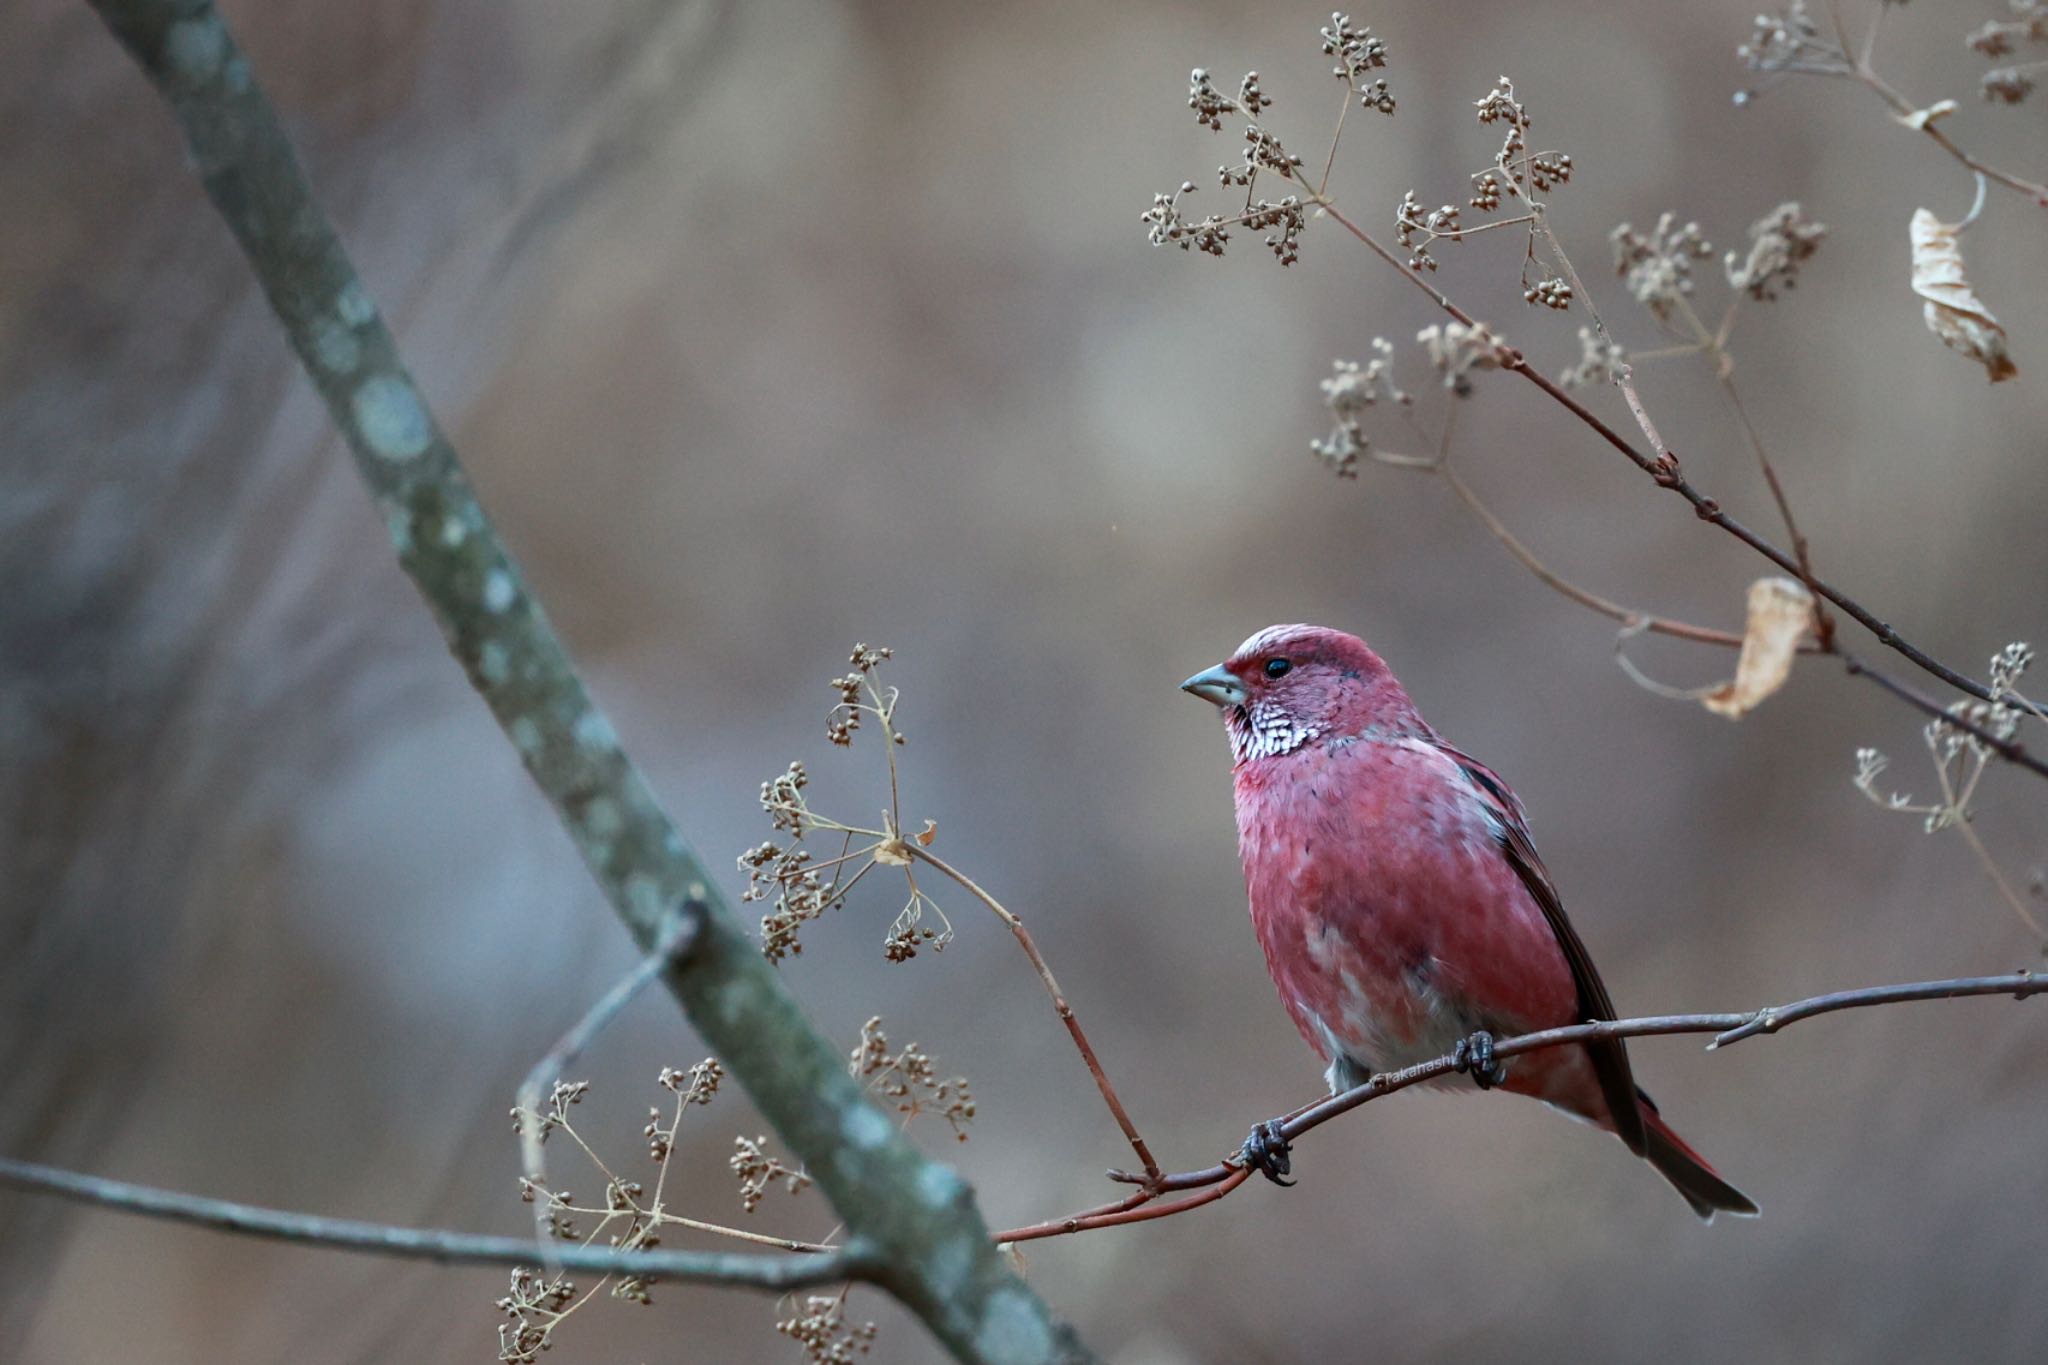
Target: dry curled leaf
[(1780, 611), (1953, 311)]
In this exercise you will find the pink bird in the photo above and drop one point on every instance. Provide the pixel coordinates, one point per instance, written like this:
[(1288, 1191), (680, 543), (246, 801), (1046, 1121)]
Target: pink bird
[(1401, 905)]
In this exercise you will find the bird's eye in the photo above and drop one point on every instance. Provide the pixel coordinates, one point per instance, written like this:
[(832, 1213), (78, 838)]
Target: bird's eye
[(1276, 668)]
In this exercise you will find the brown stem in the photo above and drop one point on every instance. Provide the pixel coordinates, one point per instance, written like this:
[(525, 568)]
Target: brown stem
[(1614, 611), (1823, 619), (1213, 1182), (1664, 468), (1906, 108), (1052, 988)]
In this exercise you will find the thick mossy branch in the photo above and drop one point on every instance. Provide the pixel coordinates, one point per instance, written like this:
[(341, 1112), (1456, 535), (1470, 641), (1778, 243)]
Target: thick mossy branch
[(932, 1246)]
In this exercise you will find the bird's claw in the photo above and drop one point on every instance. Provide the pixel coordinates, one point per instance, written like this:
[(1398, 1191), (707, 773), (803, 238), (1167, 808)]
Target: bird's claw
[(1474, 1057), (1267, 1151)]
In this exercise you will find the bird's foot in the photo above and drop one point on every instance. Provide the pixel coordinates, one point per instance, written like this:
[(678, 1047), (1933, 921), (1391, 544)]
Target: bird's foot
[(1267, 1151), (1474, 1056)]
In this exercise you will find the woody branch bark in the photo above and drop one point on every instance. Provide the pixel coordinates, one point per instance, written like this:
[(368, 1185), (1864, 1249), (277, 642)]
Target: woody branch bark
[(931, 1248)]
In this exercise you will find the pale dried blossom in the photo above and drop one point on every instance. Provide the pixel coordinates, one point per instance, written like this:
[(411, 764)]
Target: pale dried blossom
[(1250, 97), (1357, 51), (845, 717), (1792, 41), (1601, 361), (801, 894), (825, 1334), (1209, 103), (1960, 757), (1657, 268), (782, 797), (554, 1113), (1289, 216), (757, 1171), (1779, 243), (696, 1085), (1456, 350), (1416, 229), (2006, 84), (2001, 38), (533, 1305), (1164, 225), (910, 1077), (1550, 292), (1349, 392), (1517, 172), (2009, 665)]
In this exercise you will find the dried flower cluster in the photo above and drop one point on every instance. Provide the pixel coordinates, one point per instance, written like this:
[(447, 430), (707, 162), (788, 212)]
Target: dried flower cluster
[(1779, 242), (801, 889), (824, 1332), (1417, 229), (1792, 41), (1456, 350), (784, 871), (628, 1217), (1349, 392), (533, 1305), (2002, 38), (1518, 172), (1657, 268), (1601, 361), (1282, 220), (1960, 759), (1358, 55), (554, 1112), (845, 717), (910, 1078), (758, 1172), (697, 1085)]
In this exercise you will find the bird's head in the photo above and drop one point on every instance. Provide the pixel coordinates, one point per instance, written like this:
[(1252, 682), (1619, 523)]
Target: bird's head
[(1290, 685)]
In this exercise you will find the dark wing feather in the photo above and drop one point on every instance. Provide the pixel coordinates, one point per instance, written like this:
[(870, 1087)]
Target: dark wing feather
[(1610, 1056)]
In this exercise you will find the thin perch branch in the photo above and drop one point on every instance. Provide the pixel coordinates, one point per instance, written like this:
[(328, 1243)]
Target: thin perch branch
[(857, 1260), (1213, 1182)]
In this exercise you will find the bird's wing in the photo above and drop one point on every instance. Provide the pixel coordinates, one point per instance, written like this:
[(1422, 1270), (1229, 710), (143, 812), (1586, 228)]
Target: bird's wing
[(1609, 1056)]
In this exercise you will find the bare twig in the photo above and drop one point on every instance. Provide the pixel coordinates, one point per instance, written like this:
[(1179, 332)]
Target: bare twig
[(1213, 1182), (857, 1260), (1614, 611), (1052, 988)]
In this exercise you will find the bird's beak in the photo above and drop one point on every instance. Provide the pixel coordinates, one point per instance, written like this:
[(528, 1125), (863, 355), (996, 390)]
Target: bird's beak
[(1218, 686)]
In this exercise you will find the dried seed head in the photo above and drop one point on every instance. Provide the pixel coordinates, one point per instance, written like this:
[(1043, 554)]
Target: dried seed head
[(1457, 350), (1779, 243), (1601, 361), (1657, 268)]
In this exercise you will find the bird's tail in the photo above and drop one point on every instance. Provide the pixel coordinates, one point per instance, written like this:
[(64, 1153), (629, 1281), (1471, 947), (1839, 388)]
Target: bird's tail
[(1700, 1184)]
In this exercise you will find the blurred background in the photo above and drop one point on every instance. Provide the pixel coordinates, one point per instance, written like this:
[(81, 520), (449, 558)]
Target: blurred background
[(765, 328)]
